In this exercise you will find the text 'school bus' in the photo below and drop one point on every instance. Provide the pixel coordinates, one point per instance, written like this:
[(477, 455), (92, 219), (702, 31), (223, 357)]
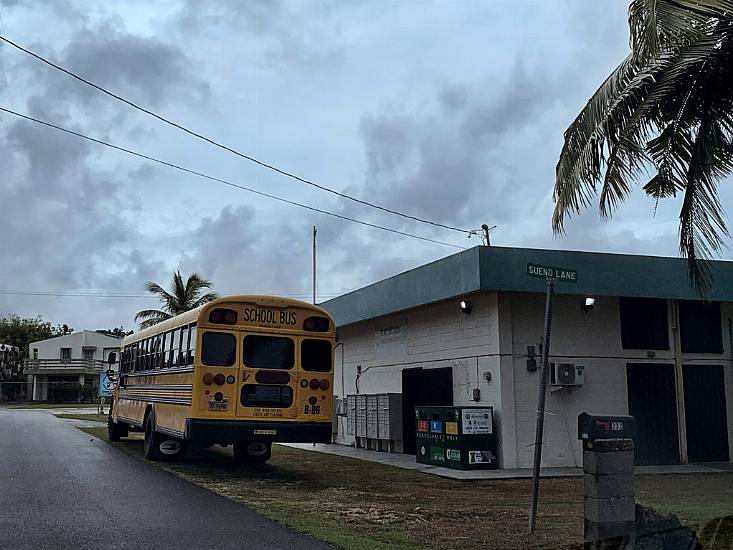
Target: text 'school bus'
[(241, 370)]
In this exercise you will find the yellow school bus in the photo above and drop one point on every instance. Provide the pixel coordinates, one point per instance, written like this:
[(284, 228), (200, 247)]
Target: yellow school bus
[(241, 370)]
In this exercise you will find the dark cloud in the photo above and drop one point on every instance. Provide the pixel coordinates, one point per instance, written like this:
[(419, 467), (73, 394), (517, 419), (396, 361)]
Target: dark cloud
[(69, 218), (279, 33)]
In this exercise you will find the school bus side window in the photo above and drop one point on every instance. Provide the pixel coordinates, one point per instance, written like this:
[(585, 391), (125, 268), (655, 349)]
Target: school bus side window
[(218, 349), (192, 345)]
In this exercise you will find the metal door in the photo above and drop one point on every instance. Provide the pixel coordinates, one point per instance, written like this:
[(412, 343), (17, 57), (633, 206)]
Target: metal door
[(422, 387), (652, 403), (706, 416)]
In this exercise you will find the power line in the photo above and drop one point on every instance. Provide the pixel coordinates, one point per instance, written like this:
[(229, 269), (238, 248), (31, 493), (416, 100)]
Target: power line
[(227, 148), (122, 295), (226, 182)]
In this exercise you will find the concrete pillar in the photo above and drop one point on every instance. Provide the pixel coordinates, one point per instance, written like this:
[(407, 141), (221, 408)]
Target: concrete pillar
[(507, 443), (609, 508), (44, 388)]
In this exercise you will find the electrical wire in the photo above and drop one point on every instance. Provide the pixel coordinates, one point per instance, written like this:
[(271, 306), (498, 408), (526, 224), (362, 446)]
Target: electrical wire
[(226, 182), (119, 295), (225, 147)]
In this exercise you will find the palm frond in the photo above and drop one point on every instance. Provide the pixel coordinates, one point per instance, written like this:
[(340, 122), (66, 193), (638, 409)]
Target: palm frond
[(205, 299)]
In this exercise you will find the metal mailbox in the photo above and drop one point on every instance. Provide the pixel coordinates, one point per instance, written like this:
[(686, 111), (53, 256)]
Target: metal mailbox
[(592, 427)]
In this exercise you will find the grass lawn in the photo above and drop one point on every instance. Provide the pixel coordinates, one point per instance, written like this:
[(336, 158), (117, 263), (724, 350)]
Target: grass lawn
[(360, 505), (53, 406), (97, 417)]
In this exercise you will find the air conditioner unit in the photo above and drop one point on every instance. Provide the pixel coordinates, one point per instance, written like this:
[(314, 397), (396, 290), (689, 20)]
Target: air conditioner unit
[(567, 374)]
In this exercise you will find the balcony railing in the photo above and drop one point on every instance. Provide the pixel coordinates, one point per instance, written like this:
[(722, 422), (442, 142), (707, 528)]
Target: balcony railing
[(65, 364)]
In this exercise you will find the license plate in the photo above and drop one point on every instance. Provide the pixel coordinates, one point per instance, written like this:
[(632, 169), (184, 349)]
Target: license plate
[(219, 405)]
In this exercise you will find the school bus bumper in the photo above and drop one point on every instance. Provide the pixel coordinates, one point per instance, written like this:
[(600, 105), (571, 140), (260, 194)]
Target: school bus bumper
[(232, 431)]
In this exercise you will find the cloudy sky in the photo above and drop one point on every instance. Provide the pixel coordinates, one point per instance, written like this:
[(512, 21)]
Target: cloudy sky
[(452, 111)]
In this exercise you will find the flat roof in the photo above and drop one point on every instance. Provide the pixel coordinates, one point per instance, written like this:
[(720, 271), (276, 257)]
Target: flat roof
[(484, 268)]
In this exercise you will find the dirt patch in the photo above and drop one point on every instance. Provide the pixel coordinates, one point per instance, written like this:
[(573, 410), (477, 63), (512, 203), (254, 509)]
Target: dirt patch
[(362, 505)]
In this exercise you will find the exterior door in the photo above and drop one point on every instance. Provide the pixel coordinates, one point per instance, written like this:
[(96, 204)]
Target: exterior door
[(706, 417), (422, 387), (652, 403)]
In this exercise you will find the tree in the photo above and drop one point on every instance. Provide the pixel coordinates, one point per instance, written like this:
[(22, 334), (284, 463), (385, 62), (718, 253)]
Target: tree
[(665, 114), (19, 331), (117, 332), (184, 297)]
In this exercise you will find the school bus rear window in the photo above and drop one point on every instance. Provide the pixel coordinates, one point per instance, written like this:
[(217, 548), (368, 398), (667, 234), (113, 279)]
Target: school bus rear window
[(315, 355), (268, 352), (219, 349), (256, 395)]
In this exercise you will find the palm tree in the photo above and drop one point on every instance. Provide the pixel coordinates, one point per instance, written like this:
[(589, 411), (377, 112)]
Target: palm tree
[(665, 114), (184, 297)]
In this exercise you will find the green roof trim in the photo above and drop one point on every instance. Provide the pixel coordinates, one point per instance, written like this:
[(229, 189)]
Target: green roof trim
[(506, 269)]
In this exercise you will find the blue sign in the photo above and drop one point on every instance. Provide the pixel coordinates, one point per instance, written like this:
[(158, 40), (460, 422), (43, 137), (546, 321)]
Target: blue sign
[(436, 427), (106, 386)]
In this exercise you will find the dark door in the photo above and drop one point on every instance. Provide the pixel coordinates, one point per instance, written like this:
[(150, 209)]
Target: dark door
[(652, 403), (422, 387), (705, 414)]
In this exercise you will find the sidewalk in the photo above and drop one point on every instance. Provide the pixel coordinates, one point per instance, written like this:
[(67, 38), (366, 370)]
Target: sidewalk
[(408, 462)]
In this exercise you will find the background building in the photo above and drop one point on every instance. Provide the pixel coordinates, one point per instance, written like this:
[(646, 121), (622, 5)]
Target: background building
[(65, 367), (646, 342)]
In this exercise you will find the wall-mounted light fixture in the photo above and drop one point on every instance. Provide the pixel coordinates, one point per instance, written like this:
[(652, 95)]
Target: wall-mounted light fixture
[(466, 306), (590, 302)]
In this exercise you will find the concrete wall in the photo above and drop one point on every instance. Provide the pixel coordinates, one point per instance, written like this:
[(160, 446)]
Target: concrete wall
[(495, 338), (435, 336), (51, 348), (592, 339)]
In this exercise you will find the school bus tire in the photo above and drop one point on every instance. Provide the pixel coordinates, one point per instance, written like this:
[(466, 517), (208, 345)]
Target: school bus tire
[(158, 446), (251, 452), (116, 430)]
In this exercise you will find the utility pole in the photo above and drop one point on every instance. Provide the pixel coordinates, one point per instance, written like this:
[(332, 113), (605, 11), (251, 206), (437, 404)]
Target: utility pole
[(485, 229), (540, 426), (315, 231)]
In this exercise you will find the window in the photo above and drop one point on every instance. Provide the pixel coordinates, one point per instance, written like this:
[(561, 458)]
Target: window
[(269, 352), (176, 347), (315, 355), (254, 395), (219, 349), (35, 353), (700, 328), (87, 354), (66, 354), (184, 347), (191, 345), (644, 323), (161, 350), (146, 344)]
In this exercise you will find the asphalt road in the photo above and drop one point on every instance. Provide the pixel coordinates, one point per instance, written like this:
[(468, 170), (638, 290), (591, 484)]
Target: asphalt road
[(61, 489)]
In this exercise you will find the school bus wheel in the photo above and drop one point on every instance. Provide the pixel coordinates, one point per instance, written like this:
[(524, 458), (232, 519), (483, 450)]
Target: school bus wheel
[(252, 452), (116, 430)]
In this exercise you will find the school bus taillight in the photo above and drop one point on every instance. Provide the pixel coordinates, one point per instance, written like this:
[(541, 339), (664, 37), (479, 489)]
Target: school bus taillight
[(208, 379), (219, 379), (314, 383), (324, 384)]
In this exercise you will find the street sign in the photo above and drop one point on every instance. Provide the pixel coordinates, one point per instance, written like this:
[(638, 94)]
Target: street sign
[(105, 385), (562, 274)]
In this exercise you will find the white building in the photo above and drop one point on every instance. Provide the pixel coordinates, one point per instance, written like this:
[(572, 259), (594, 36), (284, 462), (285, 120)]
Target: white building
[(58, 367), (649, 346)]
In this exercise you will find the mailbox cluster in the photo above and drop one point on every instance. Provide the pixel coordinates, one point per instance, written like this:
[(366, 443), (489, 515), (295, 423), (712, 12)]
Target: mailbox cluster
[(608, 466)]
